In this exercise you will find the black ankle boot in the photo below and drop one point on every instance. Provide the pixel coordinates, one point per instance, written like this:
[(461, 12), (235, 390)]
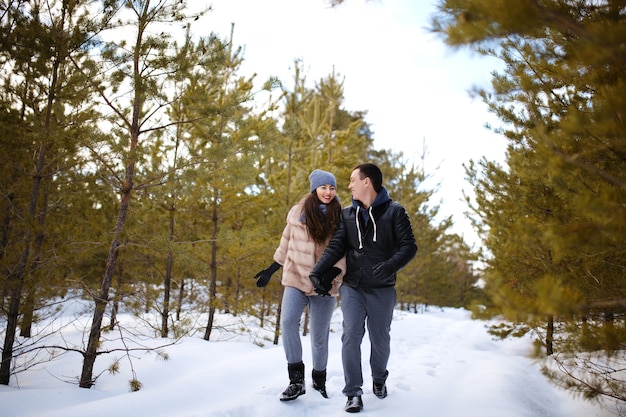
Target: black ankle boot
[(296, 382), (354, 404), (319, 382)]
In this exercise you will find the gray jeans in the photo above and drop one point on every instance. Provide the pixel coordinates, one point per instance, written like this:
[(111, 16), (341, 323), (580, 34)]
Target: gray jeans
[(373, 307), (320, 312)]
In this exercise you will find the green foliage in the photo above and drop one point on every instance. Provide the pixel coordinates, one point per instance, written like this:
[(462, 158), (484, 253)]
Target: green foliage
[(554, 220), (441, 274), (135, 385), (114, 368), (143, 174)]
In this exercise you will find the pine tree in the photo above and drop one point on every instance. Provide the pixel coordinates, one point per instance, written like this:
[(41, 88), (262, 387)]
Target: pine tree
[(42, 96), (554, 220), (143, 67)]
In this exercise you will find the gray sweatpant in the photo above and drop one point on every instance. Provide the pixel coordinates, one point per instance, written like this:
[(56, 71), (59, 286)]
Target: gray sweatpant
[(373, 307), (320, 312)]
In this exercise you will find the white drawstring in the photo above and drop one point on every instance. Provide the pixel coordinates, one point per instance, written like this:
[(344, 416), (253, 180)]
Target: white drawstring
[(358, 228), (373, 222)]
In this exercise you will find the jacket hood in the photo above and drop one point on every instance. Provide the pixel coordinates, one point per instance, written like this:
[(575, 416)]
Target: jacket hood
[(381, 198)]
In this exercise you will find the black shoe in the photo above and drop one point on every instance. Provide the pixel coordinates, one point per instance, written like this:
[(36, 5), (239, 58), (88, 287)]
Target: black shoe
[(321, 389), (319, 382), (380, 390), (354, 404), (292, 392)]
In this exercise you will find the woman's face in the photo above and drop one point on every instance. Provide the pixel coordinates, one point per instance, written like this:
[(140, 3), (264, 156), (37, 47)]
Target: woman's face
[(325, 193)]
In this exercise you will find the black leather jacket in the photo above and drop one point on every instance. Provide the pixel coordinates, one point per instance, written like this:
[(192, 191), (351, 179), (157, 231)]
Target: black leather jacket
[(382, 233)]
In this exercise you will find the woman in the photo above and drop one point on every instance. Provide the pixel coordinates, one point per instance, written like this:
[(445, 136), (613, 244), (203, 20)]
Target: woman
[(310, 225)]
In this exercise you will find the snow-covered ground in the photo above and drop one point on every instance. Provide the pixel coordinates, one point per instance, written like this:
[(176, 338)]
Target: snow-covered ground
[(443, 364)]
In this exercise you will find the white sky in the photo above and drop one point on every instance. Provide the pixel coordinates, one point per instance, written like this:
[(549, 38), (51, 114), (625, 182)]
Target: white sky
[(413, 87)]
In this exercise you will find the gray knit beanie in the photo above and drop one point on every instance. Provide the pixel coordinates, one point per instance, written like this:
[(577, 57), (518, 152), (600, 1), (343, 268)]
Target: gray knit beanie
[(319, 177)]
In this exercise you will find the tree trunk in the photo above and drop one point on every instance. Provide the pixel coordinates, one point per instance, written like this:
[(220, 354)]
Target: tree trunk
[(213, 283), (4, 241), (237, 289), (279, 312), (168, 277), (14, 283), (28, 312), (6, 221), (89, 356), (550, 336), (29, 304), (181, 298), (264, 308), (115, 308)]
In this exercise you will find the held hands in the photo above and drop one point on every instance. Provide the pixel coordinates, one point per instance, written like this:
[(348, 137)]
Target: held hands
[(265, 275), (323, 284)]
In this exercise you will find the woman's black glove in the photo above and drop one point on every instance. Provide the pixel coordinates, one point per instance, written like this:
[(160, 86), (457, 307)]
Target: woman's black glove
[(323, 284), (263, 277)]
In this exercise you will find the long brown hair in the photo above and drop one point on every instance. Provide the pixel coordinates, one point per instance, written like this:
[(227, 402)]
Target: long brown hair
[(319, 226)]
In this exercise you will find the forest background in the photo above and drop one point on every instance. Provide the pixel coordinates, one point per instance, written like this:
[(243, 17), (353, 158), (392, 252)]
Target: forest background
[(143, 172)]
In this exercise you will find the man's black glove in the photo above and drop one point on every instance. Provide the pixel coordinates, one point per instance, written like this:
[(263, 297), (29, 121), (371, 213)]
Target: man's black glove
[(383, 271), (265, 275), (322, 284)]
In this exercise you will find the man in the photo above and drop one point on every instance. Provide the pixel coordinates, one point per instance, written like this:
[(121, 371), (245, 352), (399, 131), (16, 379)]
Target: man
[(376, 236)]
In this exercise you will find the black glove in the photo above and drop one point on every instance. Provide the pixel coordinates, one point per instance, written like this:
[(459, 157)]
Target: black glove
[(265, 275), (323, 284), (383, 271)]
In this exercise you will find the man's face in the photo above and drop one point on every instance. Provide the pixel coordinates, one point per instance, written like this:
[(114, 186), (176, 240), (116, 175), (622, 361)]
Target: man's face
[(357, 185)]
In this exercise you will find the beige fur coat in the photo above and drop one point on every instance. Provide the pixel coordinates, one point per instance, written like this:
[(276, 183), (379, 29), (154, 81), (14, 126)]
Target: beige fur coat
[(298, 253)]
